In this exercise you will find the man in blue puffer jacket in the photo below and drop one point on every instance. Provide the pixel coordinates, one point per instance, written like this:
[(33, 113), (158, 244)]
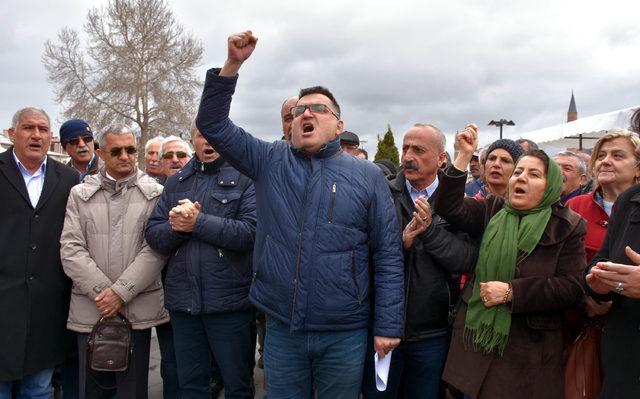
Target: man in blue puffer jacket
[(322, 214), (206, 221)]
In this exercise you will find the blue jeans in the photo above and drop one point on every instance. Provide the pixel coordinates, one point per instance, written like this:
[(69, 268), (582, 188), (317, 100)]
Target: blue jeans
[(225, 335), (332, 359), (32, 386), (415, 372)]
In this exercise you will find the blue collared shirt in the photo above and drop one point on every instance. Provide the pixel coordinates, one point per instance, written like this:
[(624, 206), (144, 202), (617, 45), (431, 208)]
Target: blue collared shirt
[(34, 182), (426, 193), (89, 166)]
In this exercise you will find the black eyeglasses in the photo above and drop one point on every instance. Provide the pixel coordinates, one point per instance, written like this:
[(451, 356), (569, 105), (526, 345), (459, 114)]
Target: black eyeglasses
[(116, 151), (315, 108), (179, 154), (76, 141)]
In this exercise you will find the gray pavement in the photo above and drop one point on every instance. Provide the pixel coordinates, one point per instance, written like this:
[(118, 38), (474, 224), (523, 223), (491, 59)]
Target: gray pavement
[(155, 382)]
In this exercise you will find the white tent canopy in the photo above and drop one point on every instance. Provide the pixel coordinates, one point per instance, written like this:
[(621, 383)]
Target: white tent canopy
[(583, 131)]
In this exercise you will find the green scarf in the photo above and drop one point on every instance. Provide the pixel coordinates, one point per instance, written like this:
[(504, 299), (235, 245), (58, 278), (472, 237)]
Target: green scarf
[(508, 232)]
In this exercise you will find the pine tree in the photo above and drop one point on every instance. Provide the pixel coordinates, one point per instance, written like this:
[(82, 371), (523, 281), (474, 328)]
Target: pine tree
[(387, 148)]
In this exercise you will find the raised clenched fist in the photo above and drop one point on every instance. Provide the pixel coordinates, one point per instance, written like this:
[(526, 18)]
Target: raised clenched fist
[(240, 46)]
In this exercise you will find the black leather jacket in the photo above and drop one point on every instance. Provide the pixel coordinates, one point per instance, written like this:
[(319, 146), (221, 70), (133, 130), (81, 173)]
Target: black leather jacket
[(431, 266)]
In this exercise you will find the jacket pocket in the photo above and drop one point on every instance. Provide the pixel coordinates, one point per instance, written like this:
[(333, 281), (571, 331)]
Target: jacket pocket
[(225, 203), (355, 276), (544, 321), (332, 201), (261, 257)]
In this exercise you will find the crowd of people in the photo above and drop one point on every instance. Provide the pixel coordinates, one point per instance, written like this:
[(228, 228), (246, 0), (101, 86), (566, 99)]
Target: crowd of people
[(471, 277)]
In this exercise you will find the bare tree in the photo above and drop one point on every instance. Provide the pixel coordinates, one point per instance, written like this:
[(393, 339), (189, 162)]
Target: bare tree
[(138, 68)]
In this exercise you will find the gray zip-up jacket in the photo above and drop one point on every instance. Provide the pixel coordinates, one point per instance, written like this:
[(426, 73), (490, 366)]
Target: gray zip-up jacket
[(102, 245)]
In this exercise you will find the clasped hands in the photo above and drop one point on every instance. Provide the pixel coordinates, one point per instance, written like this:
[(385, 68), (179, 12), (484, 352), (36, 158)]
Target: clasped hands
[(622, 279), (108, 302), (183, 216), (419, 223)]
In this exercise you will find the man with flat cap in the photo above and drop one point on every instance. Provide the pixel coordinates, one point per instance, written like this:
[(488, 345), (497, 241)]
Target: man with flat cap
[(349, 142), (77, 140)]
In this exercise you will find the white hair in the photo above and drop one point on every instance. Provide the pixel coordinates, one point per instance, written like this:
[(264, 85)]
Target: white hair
[(150, 142), (171, 139), (27, 110)]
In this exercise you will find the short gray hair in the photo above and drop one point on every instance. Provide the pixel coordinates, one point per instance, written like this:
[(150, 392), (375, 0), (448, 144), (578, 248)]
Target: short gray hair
[(441, 136), (171, 139), (118, 130), (27, 110), (582, 166), (150, 142)]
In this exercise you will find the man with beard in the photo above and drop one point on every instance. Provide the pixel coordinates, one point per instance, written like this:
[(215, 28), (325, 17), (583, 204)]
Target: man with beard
[(175, 153), (76, 138), (432, 256), (205, 220), (152, 164)]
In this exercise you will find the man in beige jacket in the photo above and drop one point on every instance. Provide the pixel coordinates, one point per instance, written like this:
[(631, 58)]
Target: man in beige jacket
[(113, 269)]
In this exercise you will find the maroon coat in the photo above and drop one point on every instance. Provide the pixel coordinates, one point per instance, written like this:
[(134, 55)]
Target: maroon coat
[(546, 282)]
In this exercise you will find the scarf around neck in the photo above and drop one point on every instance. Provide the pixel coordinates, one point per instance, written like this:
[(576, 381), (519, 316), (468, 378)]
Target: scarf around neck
[(509, 232)]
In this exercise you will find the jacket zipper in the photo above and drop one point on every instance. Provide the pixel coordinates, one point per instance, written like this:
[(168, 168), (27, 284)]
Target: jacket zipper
[(353, 273), (333, 201)]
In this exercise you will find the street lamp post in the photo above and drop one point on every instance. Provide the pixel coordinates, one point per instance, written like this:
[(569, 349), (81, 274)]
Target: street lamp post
[(501, 123)]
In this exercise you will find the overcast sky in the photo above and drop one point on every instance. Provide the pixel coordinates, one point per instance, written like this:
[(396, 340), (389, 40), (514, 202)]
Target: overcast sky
[(440, 62)]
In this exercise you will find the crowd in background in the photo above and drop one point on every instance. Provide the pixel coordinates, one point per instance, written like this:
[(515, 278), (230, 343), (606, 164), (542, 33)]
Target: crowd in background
[(498, 273)]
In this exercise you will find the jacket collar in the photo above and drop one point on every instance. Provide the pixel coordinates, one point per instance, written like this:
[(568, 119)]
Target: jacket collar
[(560, 225), (94, 183), (226, 175), (398, 186), (10, 170), (207, 168), (328, 150), (636, 196)]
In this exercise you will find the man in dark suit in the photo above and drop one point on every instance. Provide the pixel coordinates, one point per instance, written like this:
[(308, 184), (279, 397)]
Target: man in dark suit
[(34, 291)]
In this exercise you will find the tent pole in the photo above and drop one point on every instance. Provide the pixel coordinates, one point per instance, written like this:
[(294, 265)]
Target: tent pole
[(580, 143)]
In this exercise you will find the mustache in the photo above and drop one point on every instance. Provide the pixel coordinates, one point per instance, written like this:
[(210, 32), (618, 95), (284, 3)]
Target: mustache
[(410, 165), (82, 150)]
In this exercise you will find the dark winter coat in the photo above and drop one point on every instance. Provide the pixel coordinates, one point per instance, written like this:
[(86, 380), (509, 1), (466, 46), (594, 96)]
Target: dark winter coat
[(621, 339), (210, 268), (429, 266), (318, 215), (547, 281), (34, 291)]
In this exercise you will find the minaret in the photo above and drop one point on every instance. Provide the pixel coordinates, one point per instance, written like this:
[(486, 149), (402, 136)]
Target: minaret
[(572, 114)]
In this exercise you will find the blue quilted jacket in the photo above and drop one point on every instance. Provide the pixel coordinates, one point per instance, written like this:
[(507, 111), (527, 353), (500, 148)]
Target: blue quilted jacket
[(322, 218), (209, 269)]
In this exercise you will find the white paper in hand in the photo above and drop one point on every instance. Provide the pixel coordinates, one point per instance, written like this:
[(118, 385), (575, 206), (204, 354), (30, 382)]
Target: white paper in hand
[(382, 370)]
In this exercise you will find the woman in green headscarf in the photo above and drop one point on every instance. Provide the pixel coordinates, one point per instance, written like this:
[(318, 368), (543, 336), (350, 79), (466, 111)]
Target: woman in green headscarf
[(507, 337)]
